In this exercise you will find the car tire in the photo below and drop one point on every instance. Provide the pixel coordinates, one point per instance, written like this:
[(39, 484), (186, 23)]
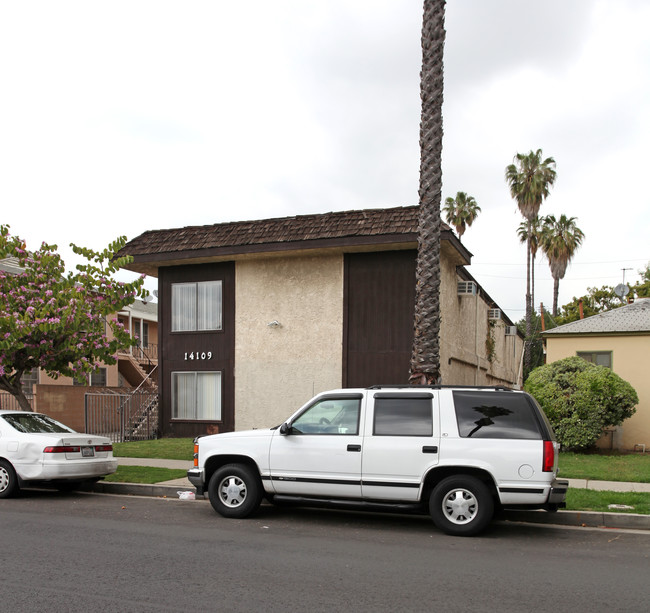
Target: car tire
[(235, 490), (8, 480), (461, 505)]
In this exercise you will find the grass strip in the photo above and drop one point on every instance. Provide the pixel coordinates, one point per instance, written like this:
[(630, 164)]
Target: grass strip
[(163, 448), (609, 467), (145, 474), (593, 500)]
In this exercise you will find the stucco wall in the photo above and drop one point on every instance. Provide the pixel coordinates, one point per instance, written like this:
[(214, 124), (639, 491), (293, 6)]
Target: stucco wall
[(631, 361), (464, 329), (279, 368)]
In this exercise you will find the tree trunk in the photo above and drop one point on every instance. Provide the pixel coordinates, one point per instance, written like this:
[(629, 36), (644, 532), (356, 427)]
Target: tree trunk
[(14, 387), (425, 359), (529, 310), (556, 292)]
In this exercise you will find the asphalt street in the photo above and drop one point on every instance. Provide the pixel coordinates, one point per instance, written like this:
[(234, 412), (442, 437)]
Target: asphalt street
[(84, 551)]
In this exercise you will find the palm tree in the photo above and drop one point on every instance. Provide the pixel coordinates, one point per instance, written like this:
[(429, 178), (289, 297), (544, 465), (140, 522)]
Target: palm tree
[(425, 359), (461, 211), (560, 240), (535, 235), (530, 179)]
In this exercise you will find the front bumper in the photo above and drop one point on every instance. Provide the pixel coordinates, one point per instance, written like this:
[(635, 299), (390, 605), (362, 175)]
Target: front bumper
[(195, 477)]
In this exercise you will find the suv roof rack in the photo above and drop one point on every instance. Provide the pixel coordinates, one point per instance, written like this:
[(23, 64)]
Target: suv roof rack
[(501, 388)]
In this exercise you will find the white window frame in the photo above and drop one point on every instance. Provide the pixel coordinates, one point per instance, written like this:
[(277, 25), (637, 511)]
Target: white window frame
[(199, 403), (197, 306)]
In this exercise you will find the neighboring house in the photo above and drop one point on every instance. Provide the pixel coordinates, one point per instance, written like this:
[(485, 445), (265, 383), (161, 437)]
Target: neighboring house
[(63, 397), (620, 340), (258, 316)]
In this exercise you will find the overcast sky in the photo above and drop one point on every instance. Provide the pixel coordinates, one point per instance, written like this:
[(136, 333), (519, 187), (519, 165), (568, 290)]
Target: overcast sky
[(126, 116)]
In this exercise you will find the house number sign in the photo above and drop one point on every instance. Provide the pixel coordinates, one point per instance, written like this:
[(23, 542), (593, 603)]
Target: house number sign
[(198, 355)]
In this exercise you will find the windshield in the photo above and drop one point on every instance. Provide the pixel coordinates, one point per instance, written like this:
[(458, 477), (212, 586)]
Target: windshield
[(35, 423)]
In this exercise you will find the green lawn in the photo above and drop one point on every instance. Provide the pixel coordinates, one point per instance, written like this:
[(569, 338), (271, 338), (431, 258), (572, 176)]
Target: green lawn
[(610, 467), (164, 448), (592, 500), (145, 474)]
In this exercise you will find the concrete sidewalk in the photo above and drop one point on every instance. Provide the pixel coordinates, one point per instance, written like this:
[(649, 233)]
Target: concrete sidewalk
[(171, 489)]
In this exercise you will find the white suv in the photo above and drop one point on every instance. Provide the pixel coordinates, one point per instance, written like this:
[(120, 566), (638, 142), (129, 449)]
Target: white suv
[(460, 451)]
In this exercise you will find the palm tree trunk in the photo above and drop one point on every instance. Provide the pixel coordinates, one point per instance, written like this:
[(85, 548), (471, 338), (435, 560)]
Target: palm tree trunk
[(529, 314), (425, 359), (556, 292)]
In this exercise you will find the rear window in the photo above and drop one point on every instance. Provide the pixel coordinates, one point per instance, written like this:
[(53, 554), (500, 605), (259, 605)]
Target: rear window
[(495, 415), (35, 424)]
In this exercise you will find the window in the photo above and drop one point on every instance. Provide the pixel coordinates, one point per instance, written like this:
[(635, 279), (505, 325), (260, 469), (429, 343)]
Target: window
[(98, 378), (329, 416), (28, 380), (495, 415), (601, 358), (196, 395), (196, 306), (403, 416)]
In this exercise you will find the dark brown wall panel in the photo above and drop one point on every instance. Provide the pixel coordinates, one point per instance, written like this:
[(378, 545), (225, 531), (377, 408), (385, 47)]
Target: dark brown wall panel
[(174, 347), (378, 326)]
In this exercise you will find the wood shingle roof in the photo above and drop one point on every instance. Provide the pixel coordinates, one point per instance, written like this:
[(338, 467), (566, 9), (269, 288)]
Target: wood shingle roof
[(336, 229)]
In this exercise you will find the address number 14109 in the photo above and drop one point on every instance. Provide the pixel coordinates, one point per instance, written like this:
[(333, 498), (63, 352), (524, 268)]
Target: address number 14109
[(202, 355)]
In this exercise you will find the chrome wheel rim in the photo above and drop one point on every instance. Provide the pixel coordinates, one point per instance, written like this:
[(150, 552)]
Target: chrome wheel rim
[(4, 479), (460, 506), (232, 491)]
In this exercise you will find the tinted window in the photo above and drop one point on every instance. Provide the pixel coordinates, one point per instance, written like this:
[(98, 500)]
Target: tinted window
[(403, 417), (495, 415)]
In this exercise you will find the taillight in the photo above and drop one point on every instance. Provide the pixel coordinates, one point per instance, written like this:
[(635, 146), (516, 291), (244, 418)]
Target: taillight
[(103, 447), (196, 454), (62, 449), (548, 460)]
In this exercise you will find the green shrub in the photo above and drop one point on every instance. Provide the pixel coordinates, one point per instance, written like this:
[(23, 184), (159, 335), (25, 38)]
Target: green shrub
[(580, 399)]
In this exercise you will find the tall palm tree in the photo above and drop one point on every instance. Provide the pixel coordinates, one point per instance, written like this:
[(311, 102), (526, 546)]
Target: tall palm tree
[(535, 236), (425, 359), (560, 240), (461, 211), (530, 179)]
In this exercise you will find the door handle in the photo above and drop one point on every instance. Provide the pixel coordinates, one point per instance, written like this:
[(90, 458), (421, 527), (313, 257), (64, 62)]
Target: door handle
[(354, 447), (430, 449)]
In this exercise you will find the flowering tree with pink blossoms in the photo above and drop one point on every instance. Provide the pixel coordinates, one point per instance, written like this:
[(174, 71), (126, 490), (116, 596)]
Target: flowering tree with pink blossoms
[(63, 323)]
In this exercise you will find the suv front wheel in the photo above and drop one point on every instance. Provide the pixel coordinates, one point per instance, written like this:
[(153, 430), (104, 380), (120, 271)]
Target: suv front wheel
[(461, 505), (235, 491)]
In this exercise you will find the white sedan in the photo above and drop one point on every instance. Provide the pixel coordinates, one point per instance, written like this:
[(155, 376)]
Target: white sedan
[(38, 450)]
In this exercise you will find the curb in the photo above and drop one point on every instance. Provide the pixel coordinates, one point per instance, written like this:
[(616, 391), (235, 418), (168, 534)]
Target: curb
[(138, 489), (583, 519), (589, 519)]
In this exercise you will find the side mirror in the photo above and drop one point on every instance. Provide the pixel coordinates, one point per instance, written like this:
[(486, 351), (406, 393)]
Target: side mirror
[(285, 428)]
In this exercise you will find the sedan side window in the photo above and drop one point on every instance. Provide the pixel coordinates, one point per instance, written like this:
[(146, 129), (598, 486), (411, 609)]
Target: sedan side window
[(329, 416)]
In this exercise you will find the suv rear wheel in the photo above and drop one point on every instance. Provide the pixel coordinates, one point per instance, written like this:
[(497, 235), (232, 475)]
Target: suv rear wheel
[(461, 505), (235, 491)]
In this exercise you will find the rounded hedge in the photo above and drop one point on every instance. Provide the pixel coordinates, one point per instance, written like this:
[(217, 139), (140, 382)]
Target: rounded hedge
[(581, 399)]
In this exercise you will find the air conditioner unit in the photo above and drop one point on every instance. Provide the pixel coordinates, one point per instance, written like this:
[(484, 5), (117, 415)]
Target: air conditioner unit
[(494, 313), (511, 330), (466, 288)]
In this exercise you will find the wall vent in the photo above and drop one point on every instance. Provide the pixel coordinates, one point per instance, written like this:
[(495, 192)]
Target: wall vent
[(494, 313), (511, 330)]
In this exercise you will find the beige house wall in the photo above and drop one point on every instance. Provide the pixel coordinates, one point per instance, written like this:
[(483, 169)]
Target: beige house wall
[(631, 362), (464, 331), (279, 368)]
